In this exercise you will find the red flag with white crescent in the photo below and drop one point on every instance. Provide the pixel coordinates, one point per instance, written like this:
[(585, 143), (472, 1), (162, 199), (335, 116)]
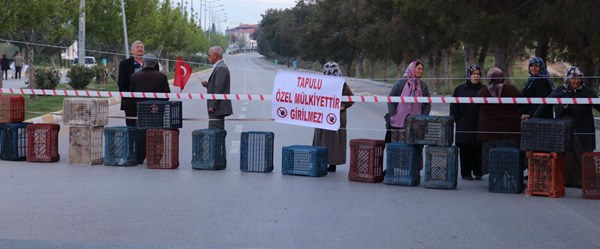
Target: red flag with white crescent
[(183, 71)]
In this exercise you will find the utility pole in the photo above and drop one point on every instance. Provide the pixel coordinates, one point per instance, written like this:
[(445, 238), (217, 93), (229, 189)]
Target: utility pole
[(125, 29), (81, 45)]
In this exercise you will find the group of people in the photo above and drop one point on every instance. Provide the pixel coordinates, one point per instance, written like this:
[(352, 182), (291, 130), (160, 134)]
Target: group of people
[(140, 73), (19, 62)]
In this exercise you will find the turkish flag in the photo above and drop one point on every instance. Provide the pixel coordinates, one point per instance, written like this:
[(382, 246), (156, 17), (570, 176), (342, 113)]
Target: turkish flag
[(183, 71)]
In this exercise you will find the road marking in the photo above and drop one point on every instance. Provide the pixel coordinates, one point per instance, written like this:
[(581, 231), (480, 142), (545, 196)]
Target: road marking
[(235, 147)]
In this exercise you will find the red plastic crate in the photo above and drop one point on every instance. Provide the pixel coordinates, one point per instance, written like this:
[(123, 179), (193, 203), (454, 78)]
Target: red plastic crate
[(162, 149), (546, 174), (12, 108), (42, 143), (590, 182), (366, 160)]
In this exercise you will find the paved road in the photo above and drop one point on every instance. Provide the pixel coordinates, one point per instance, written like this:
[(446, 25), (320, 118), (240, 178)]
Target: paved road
[(66, 206)]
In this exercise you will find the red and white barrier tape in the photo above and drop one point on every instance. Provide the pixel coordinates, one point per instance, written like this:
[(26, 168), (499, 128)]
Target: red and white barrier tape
[(263, 97)]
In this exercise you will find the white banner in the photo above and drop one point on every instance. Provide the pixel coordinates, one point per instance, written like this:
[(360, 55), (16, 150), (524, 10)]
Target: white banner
[(307, 99)]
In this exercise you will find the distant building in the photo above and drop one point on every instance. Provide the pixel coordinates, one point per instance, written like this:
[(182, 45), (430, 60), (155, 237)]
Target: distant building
[(245, 31), (71, 52)]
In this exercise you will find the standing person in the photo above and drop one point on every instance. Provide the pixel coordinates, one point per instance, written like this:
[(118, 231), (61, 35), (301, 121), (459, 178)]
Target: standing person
[(409, 85), (538, 85), (335, 141), (498, 124), (19, 62), (128, 67), (584, 139), (465, 116), (4, 65), (218, 83), (147, 80)]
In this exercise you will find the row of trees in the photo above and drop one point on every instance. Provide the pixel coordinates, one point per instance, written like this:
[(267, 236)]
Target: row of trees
[(394, 32), (46, 27)]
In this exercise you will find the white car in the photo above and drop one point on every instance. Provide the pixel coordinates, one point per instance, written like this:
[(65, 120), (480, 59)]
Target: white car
[(90, 61)]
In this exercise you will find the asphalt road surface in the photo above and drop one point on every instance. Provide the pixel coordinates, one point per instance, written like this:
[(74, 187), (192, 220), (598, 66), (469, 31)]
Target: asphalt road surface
[(58, 205)]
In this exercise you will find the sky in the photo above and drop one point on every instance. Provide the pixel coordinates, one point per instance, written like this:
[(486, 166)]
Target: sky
[(239, 11)]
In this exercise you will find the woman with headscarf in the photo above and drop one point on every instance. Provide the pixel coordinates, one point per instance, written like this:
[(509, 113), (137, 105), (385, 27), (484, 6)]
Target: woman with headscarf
[(410, 85), (538, 85), (584, 139), (465, 117), (498, 125), (335, 141)]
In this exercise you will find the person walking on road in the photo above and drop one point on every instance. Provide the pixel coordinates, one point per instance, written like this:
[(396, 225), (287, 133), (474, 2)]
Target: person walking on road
[(127, 68), (4, 65), (465, 117), (335, 141), (219, 82), (19, 63)]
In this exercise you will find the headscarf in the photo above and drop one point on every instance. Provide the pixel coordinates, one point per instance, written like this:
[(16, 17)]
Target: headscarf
[(572, 73), (540, 63), (471, 69), (414, 83), (332, 68), (496, 78)]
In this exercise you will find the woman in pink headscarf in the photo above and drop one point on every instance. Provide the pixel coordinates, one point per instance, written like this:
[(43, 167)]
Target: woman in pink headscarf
[(409, 86)]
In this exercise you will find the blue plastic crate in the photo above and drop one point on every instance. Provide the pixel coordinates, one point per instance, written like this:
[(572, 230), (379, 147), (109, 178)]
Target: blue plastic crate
[(208, 149), (159, 114), (429, 130), (257, 151), (304, 160), (546, 135), (14, 142), (121, 146), (506, 171), (402, 164), (441, 167)]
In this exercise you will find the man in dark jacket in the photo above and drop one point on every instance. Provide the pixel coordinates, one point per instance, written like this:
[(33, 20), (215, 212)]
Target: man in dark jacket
[(218, 83), (128, 67), (465, 116), (5, 64)]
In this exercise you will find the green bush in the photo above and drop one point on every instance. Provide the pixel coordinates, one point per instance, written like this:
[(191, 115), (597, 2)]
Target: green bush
[(101, 74), (47, 78), (80, 77)]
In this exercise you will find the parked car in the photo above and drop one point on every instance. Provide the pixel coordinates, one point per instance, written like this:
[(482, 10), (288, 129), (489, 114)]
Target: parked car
[(90, 61)]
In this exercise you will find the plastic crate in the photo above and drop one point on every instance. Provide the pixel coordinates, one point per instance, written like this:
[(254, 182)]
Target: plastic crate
[(12, 108), (403, 165), (366, 160), (506, 171), (487, 146), (546, 135), (42, 143), (208, 149), (304, 160), (85, 145), (121, 145), (257, 151), (546, 174), (162, 149), (590, 183), (85, 111), (14, 142), (159, 114), (429, 130), (441, 167)]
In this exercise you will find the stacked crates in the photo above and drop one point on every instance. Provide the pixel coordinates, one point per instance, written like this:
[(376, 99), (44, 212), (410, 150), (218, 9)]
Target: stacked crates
[(546, 174), (42, 143), (590, 183), (441, 164), (162, 119), (257, 151), (506, 171), (403, 165), (13, 132), (545, 141), (86, 118), (366, 160), (208, 149), (121, 146), (304, 160)]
